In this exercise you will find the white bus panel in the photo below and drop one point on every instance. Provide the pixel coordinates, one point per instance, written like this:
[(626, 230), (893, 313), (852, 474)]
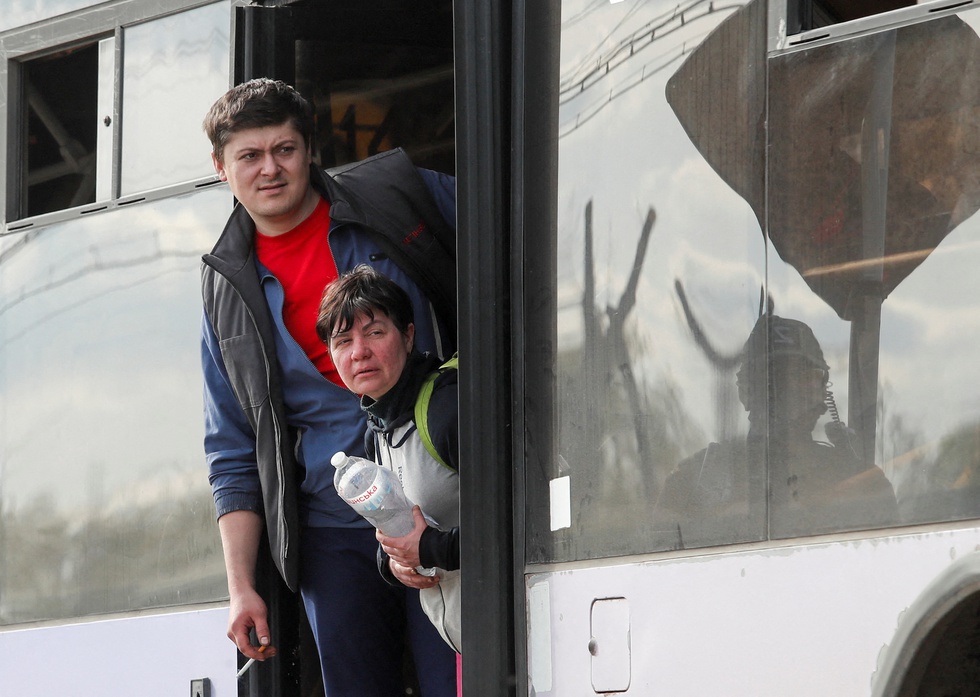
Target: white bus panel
[(807, 620), (147, 655)]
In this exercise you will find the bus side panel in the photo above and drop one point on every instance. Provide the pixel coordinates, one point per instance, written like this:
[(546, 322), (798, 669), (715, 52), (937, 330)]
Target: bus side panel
[(149, 656), (808, 621)]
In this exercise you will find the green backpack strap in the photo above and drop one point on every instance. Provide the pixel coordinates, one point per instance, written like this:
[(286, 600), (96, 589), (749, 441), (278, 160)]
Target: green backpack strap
[(422, 408)]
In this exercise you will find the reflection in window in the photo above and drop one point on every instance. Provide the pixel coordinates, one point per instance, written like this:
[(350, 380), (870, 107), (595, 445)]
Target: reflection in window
[(174, 69), (885, 256), (804, 480), (18, 14), (698, 405), (104, 505), (644, 225)]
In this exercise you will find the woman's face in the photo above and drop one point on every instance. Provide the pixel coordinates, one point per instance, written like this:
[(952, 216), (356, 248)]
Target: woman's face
[(371, 355)]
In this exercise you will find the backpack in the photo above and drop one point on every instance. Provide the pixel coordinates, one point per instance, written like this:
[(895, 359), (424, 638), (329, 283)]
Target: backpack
[(396, 203), (422, 407), (441, 603)]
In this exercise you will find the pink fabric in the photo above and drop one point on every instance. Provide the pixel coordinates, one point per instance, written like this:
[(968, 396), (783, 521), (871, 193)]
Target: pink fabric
[(459, 675)]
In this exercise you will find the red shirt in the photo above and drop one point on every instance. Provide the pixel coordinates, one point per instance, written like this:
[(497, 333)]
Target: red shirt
[(301, 260)]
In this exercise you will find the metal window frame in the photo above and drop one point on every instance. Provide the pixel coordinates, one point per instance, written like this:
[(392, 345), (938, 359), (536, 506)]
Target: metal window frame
[(507, 64), (780, 42), (87, 25)]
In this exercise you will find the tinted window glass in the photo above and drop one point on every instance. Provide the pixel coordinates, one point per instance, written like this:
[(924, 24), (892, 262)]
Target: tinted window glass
[(104, 499), (802, 15), (718, 385), (872, 201), (648, 232)]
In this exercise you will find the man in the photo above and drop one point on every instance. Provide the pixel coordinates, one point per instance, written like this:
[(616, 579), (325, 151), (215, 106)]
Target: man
[(275, 408), (778, 470)]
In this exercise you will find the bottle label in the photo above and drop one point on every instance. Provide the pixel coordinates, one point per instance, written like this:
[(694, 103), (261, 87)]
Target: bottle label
[(372, 498)]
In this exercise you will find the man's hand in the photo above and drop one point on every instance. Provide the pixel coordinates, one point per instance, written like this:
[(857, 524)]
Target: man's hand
[(240, 532), (405, 550), (247, 612)]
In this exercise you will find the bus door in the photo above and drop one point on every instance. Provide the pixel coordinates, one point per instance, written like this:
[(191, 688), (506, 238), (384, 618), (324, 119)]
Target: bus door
[(379, 75)]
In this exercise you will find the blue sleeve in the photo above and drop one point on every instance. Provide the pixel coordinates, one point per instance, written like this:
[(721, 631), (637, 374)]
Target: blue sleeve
[(443, 190), (229, 442)]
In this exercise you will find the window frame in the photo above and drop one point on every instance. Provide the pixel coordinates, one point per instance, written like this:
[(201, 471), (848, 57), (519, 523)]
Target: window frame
[(780, 40), (87, 26)]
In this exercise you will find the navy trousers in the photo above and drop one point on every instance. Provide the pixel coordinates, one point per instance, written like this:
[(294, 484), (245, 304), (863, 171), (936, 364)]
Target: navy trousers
[(360, 622)]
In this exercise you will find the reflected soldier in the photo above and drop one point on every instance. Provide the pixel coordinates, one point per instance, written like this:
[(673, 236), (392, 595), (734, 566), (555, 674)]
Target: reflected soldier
[(810, 486)]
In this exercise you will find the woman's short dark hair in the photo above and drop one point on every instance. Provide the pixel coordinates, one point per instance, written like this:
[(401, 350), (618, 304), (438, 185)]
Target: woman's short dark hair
[(256, 104), (362, 290)]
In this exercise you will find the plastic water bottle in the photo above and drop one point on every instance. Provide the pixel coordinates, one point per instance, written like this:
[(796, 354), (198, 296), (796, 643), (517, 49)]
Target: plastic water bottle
[(374, 492)]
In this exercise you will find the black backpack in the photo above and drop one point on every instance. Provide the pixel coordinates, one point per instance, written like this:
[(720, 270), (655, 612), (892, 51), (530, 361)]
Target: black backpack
[(389, 196)]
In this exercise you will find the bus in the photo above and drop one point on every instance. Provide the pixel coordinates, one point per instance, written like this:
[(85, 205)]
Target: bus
[(750, 466), (717, 319), (111, 572)]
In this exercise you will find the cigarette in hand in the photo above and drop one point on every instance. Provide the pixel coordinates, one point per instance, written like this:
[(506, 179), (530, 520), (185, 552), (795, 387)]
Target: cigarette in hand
[(248, 664)]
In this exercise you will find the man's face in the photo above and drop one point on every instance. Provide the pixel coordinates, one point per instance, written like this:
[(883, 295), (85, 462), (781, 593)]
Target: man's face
[(798, 391), (268, 170), (371, 355)]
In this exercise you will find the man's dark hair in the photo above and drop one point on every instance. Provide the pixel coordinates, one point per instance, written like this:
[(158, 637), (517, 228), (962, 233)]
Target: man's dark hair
[(256, 104), (361, 290)]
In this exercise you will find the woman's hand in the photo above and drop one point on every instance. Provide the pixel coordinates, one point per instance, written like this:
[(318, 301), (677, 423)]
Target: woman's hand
[(405, 550), (408, 576)]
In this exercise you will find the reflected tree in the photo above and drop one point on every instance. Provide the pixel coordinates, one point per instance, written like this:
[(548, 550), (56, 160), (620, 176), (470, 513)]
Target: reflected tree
[(620, 435), (141, 555), (724, 366)]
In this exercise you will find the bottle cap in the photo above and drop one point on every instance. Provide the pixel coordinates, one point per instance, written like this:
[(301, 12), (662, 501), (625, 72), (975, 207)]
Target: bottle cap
[(338, 459)]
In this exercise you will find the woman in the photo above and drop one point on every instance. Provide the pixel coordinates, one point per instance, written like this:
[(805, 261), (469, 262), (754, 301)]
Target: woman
[(365, 319)]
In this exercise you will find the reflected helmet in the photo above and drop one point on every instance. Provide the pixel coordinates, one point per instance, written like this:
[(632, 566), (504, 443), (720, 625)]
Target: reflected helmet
[(775, 337), (785, 337)]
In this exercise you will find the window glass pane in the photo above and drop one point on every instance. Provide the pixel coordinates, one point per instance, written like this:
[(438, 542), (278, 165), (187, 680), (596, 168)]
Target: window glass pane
[(174, 69), (717, 385), (873, 192), (648, 231), (104, 499)]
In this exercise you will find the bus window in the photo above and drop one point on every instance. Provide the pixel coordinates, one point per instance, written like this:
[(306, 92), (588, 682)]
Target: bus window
[(103, 507), (660, 269), (173, 67), (98, 119), (871, 221), (60, 99), (20, 14), (733, 385)]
